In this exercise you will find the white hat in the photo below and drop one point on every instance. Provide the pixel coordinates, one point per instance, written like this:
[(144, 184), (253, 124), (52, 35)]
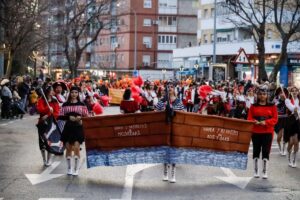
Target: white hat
[(4, 81)]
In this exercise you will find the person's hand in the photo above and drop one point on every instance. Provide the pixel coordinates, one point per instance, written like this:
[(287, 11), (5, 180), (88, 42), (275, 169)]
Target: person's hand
[(44, 117), (282, 96), (263, 123), (72, 118), (51, 109), (78, 118), (257, 122)]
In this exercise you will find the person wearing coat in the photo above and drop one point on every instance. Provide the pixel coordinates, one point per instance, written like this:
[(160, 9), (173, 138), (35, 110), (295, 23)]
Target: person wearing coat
[(45, 112)]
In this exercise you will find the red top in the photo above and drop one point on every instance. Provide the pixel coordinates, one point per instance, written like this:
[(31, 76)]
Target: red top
[(188, 95), (129, 106), (266, 113), (43, 109)]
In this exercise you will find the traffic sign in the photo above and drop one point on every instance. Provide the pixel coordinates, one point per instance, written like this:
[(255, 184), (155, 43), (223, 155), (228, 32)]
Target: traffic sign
[(242, 57), (135, 73)]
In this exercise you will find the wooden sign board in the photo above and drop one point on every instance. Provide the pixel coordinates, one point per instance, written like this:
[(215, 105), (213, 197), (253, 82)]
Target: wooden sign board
[(211, 132), (188, 130), (114, 132)]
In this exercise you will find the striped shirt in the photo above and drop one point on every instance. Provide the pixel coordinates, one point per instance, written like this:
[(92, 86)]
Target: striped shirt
[(176, 105), (78, 109)]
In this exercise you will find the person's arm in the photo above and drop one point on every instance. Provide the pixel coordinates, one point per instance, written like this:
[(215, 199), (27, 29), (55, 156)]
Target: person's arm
[(41, 107), (274, 119), (56, 110), (250, 114), (289, 105)]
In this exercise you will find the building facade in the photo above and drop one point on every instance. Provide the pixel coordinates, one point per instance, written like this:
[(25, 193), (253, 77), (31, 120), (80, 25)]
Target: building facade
[(156, 27), (229, 40)]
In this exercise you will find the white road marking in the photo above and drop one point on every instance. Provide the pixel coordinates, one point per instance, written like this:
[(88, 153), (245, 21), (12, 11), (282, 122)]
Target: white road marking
[(131, 170), (3, 125), (231, 178), (45, 175), (55, 199)]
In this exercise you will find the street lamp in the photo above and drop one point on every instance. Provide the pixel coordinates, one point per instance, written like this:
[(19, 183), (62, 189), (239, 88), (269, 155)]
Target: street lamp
[(181, 68), (196, 66), (163, 71), (135, 36)]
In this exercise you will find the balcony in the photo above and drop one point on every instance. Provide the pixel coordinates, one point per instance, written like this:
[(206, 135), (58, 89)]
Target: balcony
[(167, 10), (166, 46), (231, 48), (167, 29)]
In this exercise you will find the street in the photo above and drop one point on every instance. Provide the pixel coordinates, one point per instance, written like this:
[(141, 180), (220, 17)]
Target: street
[(23, 176)]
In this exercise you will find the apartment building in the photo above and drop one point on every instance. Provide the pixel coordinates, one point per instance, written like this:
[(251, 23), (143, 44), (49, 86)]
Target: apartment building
[(53, 21), (229, 40), (159, 27)]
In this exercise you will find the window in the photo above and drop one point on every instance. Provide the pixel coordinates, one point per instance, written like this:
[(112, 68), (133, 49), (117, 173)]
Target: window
[(205, 13), (212, 12), (171, 21), (269, 34), (146, 60), (147, 22), (147, 41), (228, 38), (205, 38), (212, 38), (167, 21), (167, 39), (147, 3)]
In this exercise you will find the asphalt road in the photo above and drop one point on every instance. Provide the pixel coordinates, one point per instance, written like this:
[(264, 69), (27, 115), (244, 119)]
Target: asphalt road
[(22, 175)]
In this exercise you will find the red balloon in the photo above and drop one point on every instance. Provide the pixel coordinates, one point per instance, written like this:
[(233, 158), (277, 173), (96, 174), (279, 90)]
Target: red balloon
[(204, 90), (97, 109), (138, 81), (105, 100)]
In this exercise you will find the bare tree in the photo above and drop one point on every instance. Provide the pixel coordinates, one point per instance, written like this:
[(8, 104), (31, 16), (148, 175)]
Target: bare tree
[(20, 27), (84, 20), (252, 15), (287, 21)]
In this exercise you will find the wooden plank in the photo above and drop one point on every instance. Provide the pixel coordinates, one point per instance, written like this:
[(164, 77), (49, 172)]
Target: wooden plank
[(179, 117), (200, 120), (237, 125), (99, 132), (159, 128), (245, 137), (185, 130), (219, 134), (150, 117), (152, 140), (178, 141)]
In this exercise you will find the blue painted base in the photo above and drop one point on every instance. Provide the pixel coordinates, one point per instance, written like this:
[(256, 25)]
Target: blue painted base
[(164, 154)]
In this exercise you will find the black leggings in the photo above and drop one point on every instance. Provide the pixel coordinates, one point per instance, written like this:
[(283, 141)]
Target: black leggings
[(262, 142), (189, 107)]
